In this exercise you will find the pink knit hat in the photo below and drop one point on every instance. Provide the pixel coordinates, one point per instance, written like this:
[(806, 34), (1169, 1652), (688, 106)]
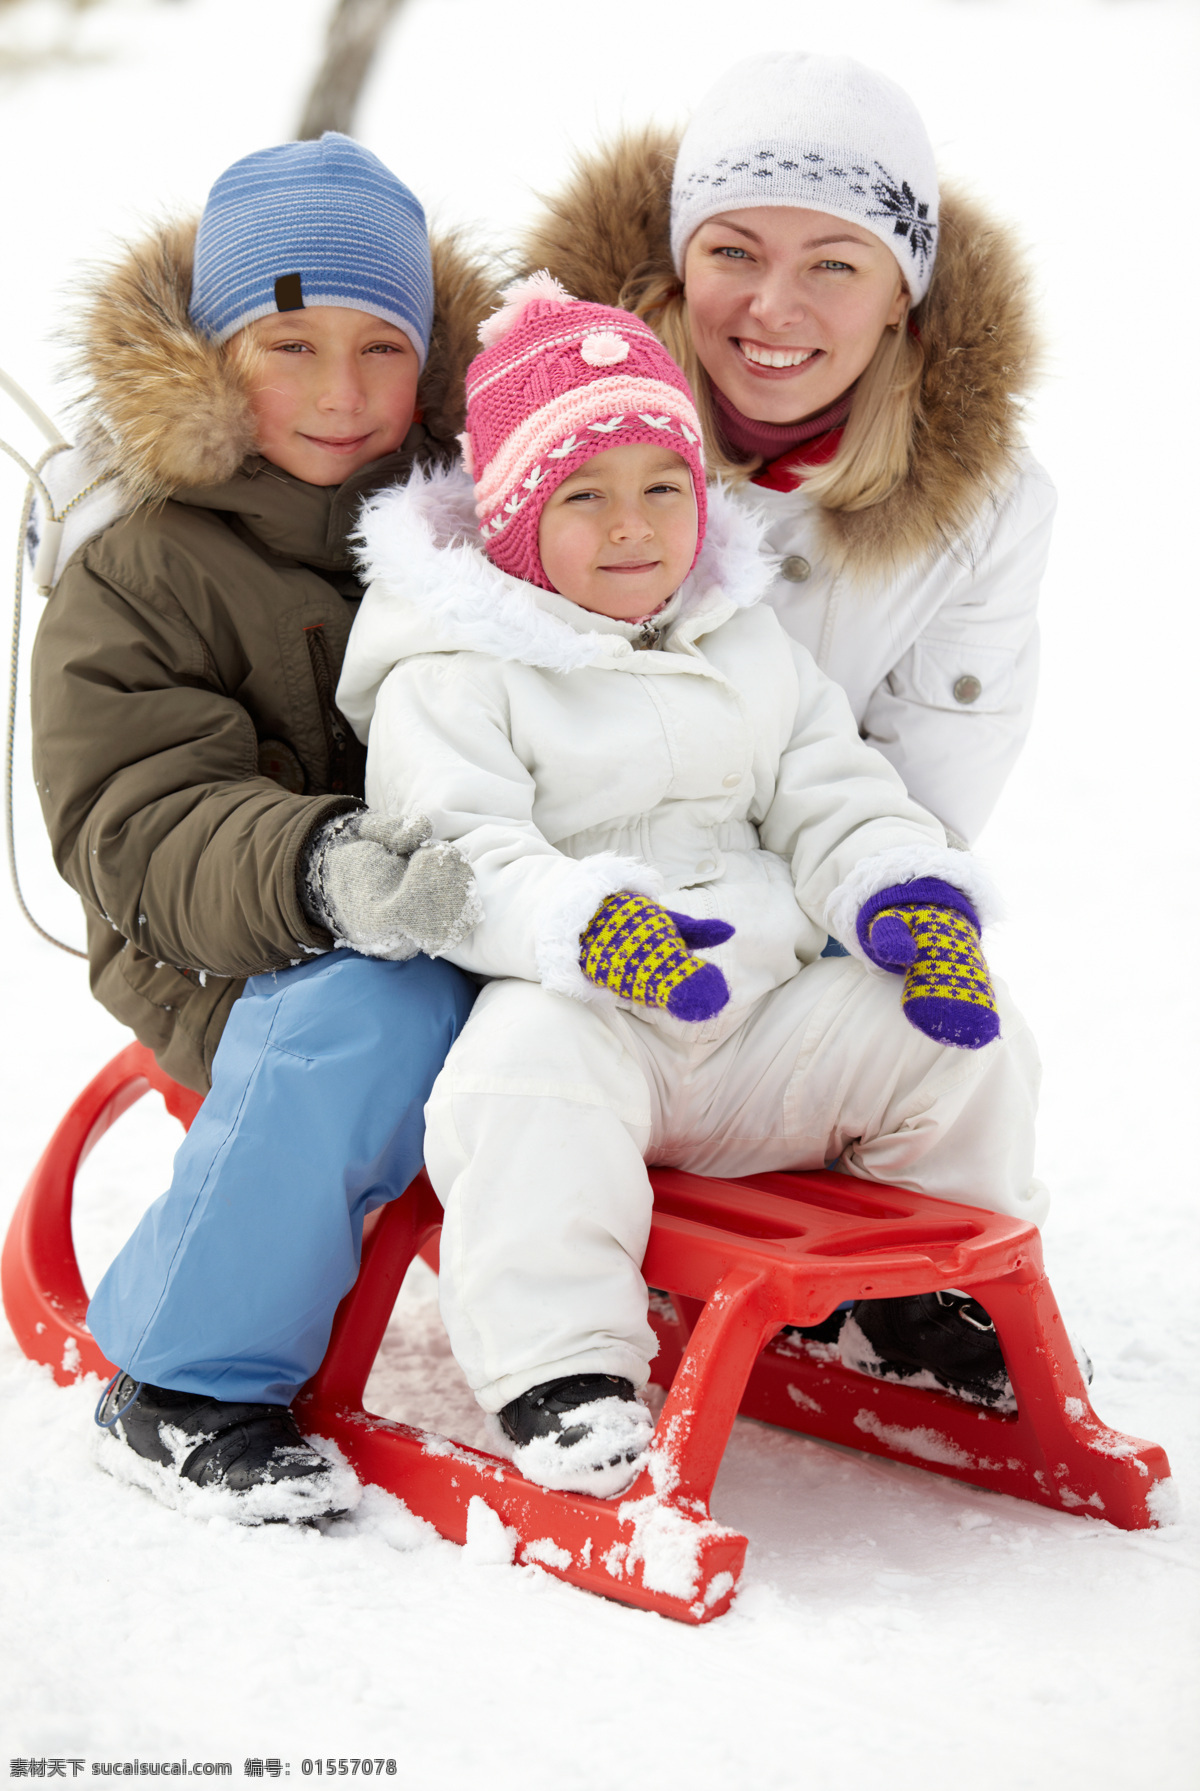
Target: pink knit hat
[(560, 380)]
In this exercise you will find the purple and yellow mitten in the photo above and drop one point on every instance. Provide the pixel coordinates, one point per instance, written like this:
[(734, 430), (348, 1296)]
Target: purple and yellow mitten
[(928, 932), (639, 951)]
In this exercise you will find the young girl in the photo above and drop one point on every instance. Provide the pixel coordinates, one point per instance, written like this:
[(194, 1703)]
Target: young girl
[(249, 382), (563, 663)]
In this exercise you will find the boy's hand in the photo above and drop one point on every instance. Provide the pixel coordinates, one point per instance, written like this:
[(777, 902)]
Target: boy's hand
[(382, 885), (928, 932), (639, 951)]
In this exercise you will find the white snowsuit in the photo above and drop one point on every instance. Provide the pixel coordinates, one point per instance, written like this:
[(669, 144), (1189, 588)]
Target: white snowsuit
[(723, 773)]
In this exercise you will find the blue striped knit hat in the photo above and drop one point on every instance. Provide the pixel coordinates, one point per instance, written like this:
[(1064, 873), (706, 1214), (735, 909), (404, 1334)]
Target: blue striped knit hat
[(312, 224)]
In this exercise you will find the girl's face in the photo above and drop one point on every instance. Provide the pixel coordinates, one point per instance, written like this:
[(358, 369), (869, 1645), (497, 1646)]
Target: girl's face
[(787, 307), (331, 390), (619, 536)]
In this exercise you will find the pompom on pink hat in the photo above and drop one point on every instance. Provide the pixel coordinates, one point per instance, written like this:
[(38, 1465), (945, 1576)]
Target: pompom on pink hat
[(560, 380)]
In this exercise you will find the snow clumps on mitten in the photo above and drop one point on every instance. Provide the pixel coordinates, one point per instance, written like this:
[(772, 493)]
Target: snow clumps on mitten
[(381, 884)]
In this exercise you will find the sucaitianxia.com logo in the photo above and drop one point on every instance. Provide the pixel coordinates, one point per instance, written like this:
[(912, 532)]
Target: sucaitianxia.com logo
[(255, 1767), (57, 1768)]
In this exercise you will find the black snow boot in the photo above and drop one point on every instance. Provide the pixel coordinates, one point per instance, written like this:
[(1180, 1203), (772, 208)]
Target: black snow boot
[(247, 1461), (827, 1331), (585, 1433), (947, 1335)]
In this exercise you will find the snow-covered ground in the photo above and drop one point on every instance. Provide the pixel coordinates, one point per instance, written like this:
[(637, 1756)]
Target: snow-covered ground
[(893, 1626)]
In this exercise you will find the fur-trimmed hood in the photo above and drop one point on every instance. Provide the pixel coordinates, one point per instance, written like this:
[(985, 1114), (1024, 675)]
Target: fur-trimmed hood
[(722, 771), (611, 221), (432, 589), (166, 410)]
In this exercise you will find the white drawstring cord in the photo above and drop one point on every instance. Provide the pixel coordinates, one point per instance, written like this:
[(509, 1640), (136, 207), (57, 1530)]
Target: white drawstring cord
[(44, 576), (34, 412)]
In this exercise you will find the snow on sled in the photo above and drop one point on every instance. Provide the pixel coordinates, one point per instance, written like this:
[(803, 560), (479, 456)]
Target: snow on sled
[(741, 1259)]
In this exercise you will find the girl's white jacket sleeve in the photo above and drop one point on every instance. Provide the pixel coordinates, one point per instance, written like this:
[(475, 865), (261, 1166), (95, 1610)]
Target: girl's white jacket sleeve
[(842, 819), (440, 746)]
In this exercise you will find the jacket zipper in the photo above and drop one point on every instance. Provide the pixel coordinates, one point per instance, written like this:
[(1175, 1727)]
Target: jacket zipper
[(337, 740)]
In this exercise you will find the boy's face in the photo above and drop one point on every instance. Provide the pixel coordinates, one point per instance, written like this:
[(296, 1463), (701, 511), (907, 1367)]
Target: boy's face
[(619, 536), (331, 390)]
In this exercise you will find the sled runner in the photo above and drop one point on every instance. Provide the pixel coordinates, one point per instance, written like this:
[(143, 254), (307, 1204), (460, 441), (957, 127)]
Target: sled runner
[(741, 1259)]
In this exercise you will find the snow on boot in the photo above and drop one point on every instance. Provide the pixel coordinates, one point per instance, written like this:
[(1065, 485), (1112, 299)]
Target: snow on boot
[(940, 1340), (586, 1433), (213, 1458)]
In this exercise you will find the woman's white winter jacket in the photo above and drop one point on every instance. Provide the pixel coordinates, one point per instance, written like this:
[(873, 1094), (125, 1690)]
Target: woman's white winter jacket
[(939, 657), (720, 770)]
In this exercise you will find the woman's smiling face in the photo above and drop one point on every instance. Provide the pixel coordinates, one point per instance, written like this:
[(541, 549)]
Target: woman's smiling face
[(787, 307)]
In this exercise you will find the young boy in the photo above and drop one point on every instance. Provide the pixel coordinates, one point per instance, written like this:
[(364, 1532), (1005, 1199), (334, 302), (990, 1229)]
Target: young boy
[(565, 665), (250, 381)]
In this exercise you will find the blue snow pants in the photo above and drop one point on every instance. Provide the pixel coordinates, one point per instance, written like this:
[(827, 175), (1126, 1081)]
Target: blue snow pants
[(229, 1285)]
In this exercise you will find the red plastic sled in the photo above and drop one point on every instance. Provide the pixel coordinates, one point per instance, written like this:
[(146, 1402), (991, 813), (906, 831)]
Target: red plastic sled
[(741, 1258)]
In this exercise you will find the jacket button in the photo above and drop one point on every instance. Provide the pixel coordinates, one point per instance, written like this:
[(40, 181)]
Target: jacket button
[(795, 568), (967, 689), (732, 781)]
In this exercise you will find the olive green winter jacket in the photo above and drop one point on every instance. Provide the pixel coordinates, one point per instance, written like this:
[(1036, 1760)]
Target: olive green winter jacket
[(186, 739)]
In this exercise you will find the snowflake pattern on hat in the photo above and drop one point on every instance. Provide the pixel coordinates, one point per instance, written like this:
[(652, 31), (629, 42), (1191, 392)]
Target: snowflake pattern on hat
[(818, 133), (910, 214), (895, 199)]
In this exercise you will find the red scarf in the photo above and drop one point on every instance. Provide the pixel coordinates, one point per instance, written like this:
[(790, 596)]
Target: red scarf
[(787, 473), (785, 448)]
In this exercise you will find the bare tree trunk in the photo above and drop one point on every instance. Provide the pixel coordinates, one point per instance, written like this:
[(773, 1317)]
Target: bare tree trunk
[(356, 28)]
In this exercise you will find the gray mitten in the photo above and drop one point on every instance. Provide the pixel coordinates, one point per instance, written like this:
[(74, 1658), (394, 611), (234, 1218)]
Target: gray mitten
[(381, 884)]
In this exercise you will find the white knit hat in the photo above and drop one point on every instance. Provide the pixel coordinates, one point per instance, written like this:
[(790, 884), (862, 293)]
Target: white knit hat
[(820, 132)]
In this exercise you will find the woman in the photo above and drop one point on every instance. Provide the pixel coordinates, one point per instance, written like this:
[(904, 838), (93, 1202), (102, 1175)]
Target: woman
[(859, 348), (860, 353)]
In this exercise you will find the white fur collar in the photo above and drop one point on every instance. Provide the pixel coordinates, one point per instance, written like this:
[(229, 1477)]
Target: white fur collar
[(421, 545)]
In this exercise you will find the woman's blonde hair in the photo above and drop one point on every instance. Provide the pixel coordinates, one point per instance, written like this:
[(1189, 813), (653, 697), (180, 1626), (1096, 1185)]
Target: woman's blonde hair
[(873, 454)]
